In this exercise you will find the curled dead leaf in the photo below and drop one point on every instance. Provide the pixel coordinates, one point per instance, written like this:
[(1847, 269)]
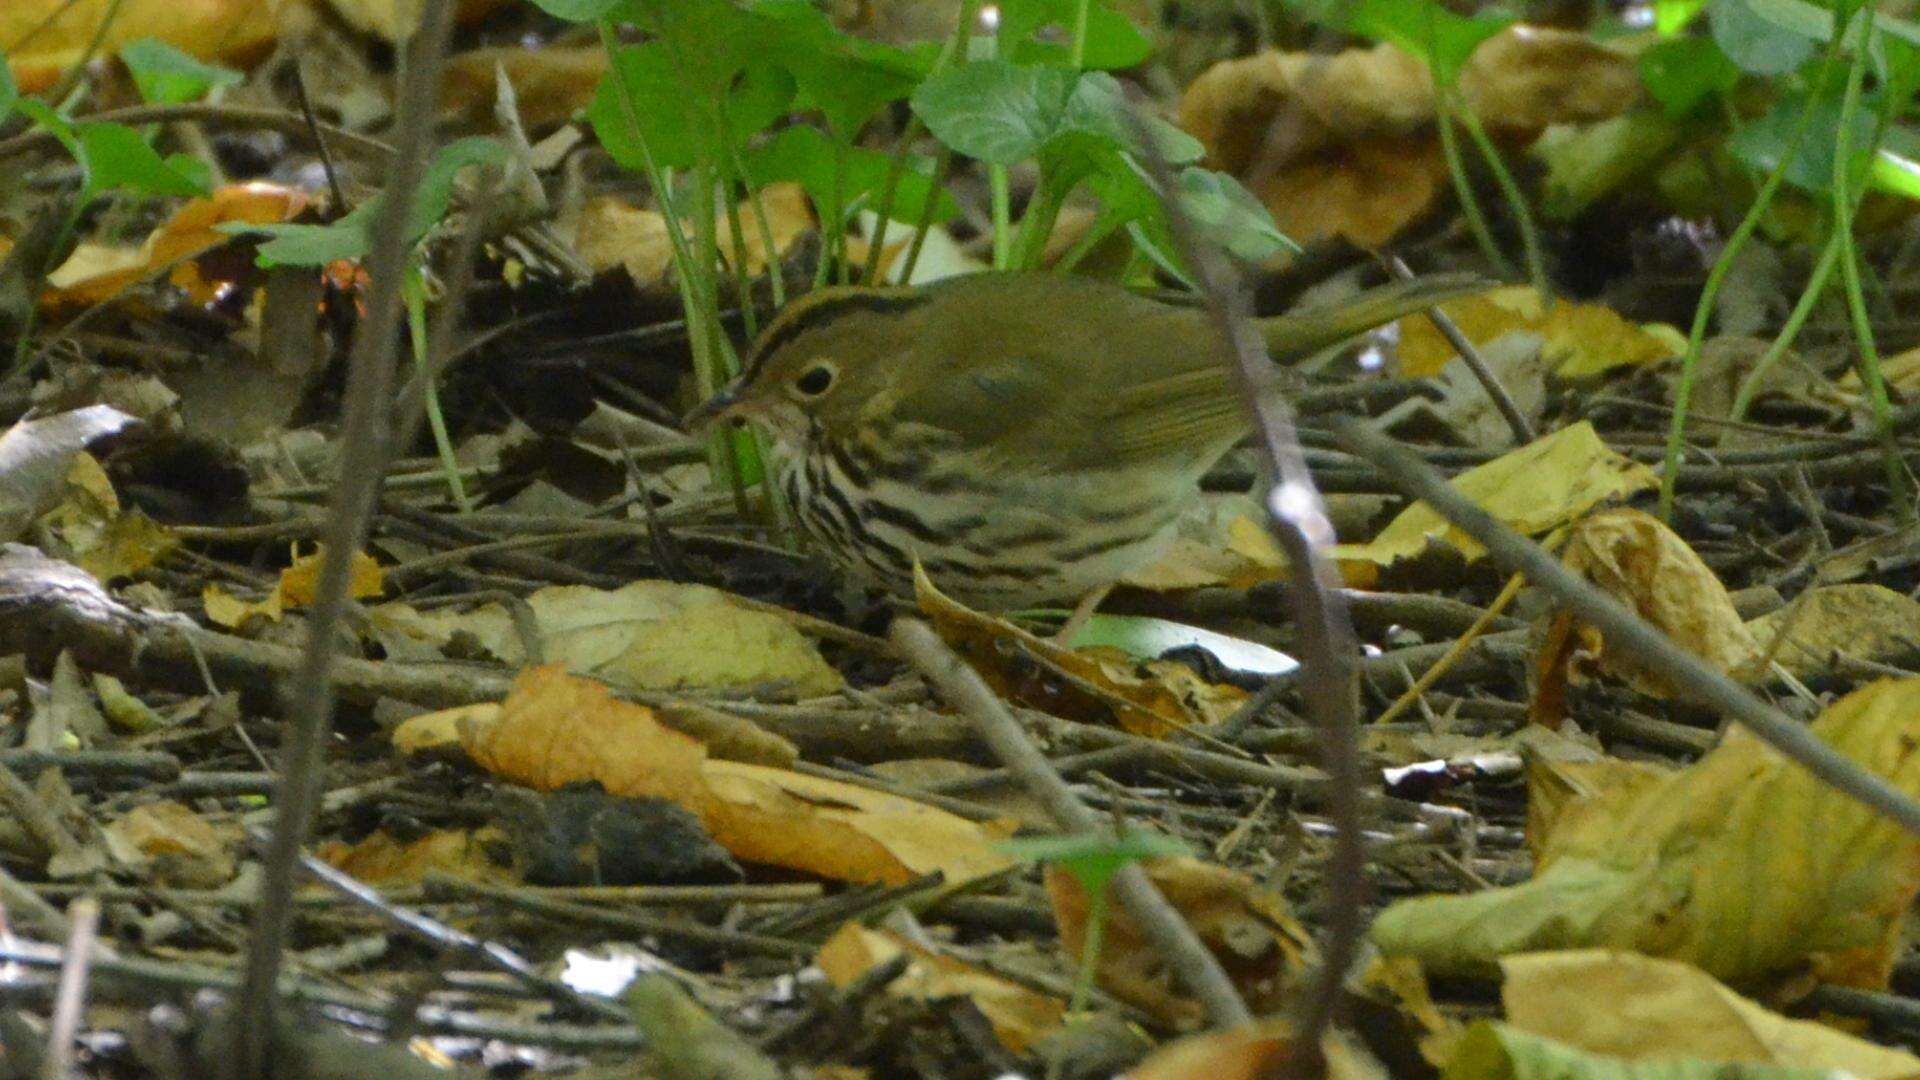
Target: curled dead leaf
[(1249, 929), (1340, 145), (1666, 864)]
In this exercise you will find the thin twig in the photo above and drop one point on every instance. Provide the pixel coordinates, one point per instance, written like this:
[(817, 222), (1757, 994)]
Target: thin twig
[(1163, 925), (364, 453), (70, 999), (1496, 391), (1626, 631), (442, 936), (1297, 518), (287, 123), (340, 203)]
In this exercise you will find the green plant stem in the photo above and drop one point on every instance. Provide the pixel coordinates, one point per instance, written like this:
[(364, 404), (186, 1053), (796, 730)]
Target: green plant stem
[(1002, 212), (1036, 226), (1516, 200), (1102, 227), (694, 279), (1463, 187), (1080, 34), (1090, 948), (1846, 192), (414, 291), (1690, 360), (1790, 330), (955, 45), (883, 213), (925, 224)]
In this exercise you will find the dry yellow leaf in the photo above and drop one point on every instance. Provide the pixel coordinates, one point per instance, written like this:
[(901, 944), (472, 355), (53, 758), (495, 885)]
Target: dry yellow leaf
[(43, 38), (614, 233), (1546, 483), (1577, 340), (646, 635), (1861, 620), (296, 588), (1249, 929), (1018, 1015), (1741, 864), (382, 860), (1105, 684), (1633, 557), (840, 831), (1661, 1010)]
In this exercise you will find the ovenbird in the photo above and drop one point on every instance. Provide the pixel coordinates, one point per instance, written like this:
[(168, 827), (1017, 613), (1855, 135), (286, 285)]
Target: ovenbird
[(1028, 437)]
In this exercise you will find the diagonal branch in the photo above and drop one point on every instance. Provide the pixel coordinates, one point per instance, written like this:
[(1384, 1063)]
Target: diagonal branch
[(1625, 630)]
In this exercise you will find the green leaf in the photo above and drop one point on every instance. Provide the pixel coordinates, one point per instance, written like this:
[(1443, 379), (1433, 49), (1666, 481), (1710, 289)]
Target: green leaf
[(1041, 32), (351, 237), (1094, 858), (1683, 72), (115, 156), (806, 155), (653, 113), (579, 11), (847, 79), (1225, 213), (52, 122), (1763, 142), (1422, 27), (1672, 16), (1755, 43), (167, 76), (9, 91), (1146, 638), (1003, 113)]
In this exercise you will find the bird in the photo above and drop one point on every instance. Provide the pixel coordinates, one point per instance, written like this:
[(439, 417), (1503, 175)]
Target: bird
[(1026, 437)]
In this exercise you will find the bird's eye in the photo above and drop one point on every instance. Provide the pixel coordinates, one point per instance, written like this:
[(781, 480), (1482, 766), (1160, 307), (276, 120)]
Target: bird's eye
[(815, 380)]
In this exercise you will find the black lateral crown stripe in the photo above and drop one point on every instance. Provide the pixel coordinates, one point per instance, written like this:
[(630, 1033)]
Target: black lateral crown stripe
[(819, 309)]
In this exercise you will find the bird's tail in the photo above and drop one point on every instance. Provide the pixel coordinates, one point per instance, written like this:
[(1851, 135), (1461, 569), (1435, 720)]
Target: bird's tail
[(1299, 334)]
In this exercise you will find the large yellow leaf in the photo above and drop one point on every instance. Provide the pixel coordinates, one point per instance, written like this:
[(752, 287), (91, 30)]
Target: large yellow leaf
[(1546, 483), (1661, 1010), (1576, 340), (1741, 864)]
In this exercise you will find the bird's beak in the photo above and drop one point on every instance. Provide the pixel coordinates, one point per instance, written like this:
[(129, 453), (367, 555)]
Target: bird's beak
[(720, 405)]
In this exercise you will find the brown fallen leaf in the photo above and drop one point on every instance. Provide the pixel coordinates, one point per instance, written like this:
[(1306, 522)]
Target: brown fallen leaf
[(1249, 929), (556, 729), (1264, 1049), (1150, 700), (166, 843), (1741, 864), (611, 232), (1019, 1016), (550, 84), (94, 273), (385, 861), (1342, 145), (1633, 557)]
